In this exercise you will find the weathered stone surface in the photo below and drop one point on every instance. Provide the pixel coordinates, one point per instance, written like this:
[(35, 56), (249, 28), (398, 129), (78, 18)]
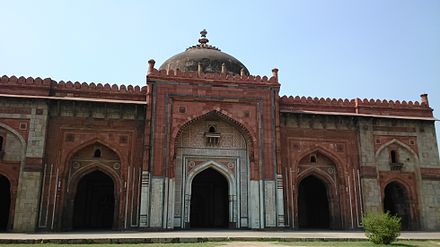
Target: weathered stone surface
[(191, 117), (430, 205)]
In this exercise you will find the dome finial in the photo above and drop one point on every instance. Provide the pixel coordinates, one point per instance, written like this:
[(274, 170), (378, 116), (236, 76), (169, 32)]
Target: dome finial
[(203, 40)]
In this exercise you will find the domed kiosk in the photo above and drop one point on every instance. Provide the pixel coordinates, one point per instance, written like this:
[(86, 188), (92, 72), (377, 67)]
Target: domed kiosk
[(205, 58)]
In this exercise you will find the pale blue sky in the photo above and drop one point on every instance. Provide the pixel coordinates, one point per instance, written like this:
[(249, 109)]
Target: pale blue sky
[(387, 49)]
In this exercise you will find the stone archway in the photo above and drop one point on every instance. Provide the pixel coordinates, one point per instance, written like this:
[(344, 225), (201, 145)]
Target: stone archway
[(318, 174), (5, 203), (313, 204), (93, 181), (212, 143), (209, 200), (396, 202), (94, 202)]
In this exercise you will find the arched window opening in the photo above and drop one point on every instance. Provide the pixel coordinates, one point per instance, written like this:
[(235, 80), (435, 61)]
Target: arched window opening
[(212, 136), (97, 153), (313, 158), (393, 156), (2, 146), (395, 165)]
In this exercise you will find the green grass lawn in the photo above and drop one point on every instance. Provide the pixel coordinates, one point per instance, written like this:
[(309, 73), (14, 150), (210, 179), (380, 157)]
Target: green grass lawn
[(365, 244), (215, 244), (207, 244)]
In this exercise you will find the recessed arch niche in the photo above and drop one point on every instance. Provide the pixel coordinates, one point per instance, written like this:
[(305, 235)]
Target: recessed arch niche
[(195, 152), (92, 195)]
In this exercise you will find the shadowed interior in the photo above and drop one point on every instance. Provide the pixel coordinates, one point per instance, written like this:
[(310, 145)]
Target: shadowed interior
[(5, 202), (396, 202), (94, 202), (313, 204), (209, 200)]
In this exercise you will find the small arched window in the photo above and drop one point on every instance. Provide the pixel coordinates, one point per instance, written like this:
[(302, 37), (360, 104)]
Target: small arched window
[(313, 158), (212, 136), (393, 156), (97, 153)]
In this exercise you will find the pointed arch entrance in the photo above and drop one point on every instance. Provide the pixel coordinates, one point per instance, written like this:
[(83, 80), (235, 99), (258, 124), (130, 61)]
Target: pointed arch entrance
[(207, 146), (94, 202), (313, 204), (397, 202), (318, 205), (5, 202), (209, 200), (93, 181)]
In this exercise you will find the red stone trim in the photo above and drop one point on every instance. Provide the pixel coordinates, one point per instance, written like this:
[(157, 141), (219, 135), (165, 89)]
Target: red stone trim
[(430, 173), (22, 85), (368, 172), (49, 87), (33, 164), (356, 106), (15, 125), (217, 77), (392, 142)]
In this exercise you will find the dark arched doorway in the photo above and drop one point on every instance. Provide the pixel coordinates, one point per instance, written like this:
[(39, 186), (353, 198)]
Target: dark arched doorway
[(5, 202), (396, 202), (313, 204), (94, 202), (209, 200)]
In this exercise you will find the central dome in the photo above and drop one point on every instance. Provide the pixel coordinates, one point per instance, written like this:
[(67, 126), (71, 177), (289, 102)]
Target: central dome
[(209, 58)]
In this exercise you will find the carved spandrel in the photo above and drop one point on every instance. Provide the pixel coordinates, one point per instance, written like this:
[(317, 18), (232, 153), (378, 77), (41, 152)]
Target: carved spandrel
[(195, 136)]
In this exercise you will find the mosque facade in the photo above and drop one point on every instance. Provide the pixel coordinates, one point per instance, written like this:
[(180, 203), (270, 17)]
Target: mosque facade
[(207, 145)]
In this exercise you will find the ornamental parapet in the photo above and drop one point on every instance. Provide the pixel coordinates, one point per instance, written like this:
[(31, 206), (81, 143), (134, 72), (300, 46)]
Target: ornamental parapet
[(196, 76), (50, 88), (373, 107)]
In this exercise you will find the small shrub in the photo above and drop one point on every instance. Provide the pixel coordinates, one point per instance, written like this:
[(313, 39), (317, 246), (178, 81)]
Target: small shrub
[(381, 228)]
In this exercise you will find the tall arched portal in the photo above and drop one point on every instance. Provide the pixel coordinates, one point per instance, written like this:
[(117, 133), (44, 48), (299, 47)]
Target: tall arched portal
[(209, 200), (313, 204), (94, 202), (5, 202), (396, 202), (93, 178), (212, 163)]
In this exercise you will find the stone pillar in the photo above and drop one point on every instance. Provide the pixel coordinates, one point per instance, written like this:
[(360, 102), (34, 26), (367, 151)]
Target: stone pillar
[(156, 202), (256, 213), (143, 217), (29, 184), (270, 208), (26, 209), (280, 201)]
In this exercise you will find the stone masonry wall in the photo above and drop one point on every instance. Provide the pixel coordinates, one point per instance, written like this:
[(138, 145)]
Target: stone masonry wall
[(27, 202), (431, 205), (29, 119), (416, 145), (329, 138), (430, 176), (371, 195)]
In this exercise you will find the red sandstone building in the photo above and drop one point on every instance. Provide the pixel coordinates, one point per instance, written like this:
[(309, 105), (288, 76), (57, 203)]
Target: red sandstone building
[(206, 144)]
